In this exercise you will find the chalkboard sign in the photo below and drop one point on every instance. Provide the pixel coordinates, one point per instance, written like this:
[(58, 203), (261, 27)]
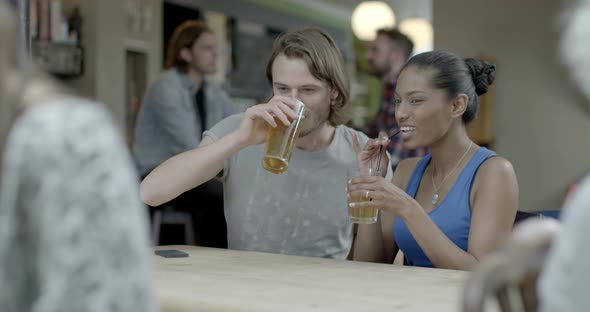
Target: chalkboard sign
[(251, 46)]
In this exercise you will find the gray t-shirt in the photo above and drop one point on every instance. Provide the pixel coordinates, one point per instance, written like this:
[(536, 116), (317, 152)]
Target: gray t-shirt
[(302, 212)]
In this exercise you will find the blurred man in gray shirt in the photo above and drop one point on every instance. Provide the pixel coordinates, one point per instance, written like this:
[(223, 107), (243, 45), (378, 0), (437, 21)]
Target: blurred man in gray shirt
[(177, 109)]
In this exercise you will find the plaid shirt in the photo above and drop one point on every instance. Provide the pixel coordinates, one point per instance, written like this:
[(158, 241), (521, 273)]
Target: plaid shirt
[(385, 121)]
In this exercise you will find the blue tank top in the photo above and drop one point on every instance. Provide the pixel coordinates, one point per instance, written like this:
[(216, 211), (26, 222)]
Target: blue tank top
[(452, 215)]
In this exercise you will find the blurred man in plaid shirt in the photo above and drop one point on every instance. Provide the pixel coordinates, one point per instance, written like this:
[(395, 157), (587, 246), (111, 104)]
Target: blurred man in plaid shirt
[(386, 56)]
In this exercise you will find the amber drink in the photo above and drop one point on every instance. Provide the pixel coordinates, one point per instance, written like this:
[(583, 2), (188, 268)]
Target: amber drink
[(280, 142), (362, 215)]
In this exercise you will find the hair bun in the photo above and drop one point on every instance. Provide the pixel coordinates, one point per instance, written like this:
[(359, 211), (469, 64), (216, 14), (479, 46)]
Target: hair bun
[(482, 73)]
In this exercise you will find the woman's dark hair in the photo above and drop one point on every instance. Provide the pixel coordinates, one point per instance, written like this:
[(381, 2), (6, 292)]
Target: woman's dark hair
[(455, 75)]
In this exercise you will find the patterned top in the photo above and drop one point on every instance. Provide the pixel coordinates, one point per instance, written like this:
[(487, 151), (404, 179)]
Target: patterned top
[(385, 121), (73, 233)]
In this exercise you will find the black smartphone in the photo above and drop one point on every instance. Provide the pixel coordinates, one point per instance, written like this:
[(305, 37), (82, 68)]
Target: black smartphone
[(171, 253)]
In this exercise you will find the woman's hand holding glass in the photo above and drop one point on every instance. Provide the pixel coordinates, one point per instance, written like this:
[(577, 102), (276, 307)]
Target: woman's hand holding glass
[(382, 194)]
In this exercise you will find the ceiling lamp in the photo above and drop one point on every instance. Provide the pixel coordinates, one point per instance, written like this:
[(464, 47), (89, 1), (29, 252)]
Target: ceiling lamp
[(369, 16), (420, 31)]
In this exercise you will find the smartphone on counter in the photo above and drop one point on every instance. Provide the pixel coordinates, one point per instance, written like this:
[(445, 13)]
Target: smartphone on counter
[(171, 253)]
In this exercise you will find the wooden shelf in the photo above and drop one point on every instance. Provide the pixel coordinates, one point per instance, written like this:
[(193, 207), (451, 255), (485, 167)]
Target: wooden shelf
[(58, 58)]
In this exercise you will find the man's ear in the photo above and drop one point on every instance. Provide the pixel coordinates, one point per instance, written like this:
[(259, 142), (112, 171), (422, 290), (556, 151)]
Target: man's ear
[(394, 56), (334, 95), (459, 105), (398, 59), (399, 55), (185, 55)]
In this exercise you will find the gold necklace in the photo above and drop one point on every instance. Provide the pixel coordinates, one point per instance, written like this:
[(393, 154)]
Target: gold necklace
[(435, 196)]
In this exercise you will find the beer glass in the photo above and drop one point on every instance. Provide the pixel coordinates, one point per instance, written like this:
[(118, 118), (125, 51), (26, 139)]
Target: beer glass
[(360, 215), (280, 142)]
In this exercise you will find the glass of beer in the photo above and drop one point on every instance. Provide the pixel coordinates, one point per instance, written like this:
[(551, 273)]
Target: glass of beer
[(361, 215), (280, 142)]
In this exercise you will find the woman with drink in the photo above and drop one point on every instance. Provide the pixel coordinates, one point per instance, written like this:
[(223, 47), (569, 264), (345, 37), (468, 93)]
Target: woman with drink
[(455, 205)]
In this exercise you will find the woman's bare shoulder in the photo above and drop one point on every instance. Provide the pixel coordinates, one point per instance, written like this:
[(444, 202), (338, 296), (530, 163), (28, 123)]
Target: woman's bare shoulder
[(404, 170)]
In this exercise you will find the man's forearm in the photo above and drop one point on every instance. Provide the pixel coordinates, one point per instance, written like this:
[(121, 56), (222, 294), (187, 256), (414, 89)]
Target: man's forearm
[(188, 170)]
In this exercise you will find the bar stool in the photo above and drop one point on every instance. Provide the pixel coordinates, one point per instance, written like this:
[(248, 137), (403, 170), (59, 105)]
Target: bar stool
[(167, 215)]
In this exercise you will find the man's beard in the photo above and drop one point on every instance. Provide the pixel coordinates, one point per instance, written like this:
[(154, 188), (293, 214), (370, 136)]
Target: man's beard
[(202, 70), (378, 72), (318, 123)]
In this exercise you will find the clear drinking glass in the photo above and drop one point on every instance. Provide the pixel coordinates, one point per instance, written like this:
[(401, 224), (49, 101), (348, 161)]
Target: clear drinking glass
[(280, 142), (361, 215)]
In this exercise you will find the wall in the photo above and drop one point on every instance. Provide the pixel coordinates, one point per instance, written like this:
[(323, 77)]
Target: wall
[(539, 121), (410, 9), (105, 39), (110, 57), (276, 14), (251, 44), (85, 85)]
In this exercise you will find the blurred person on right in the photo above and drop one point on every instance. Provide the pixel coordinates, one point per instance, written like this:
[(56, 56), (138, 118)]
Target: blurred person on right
[(386, 56), (565, 280), (455, 205)]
